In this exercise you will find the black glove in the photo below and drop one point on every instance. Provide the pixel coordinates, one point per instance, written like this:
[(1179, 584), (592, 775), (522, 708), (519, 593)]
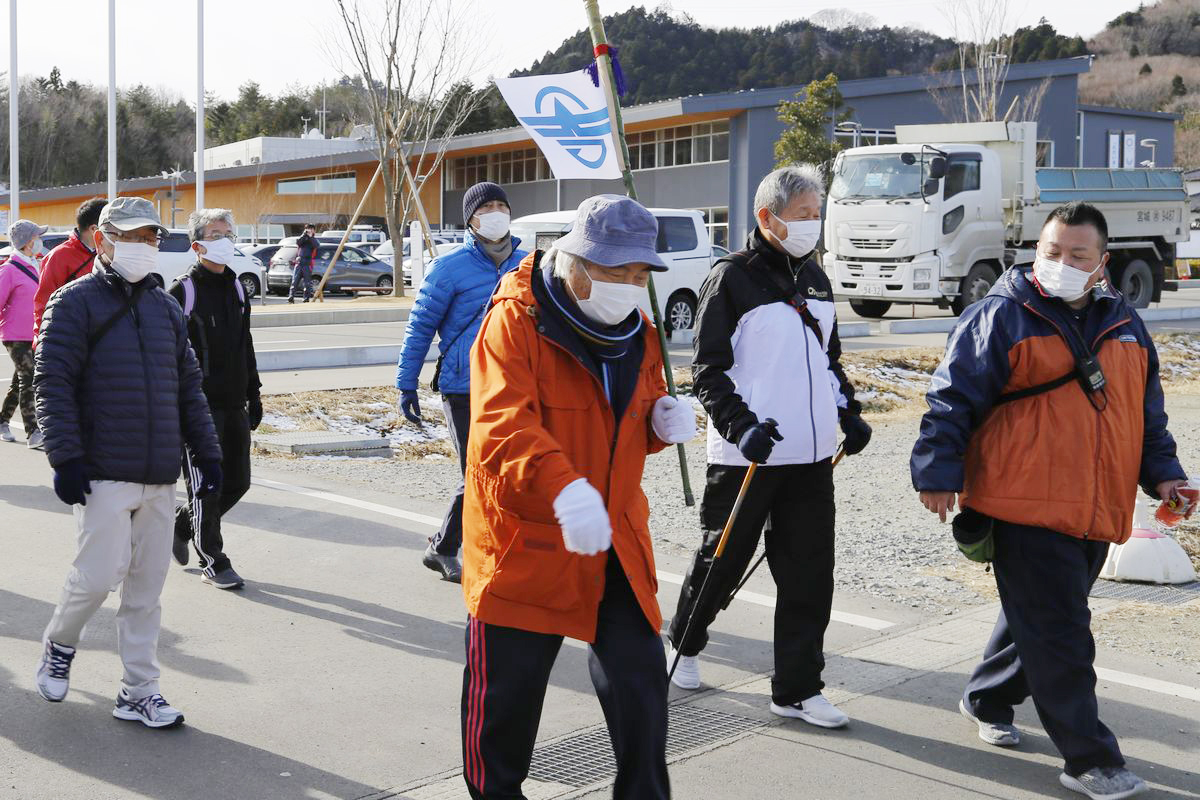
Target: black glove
[(756, 443), (210, 478), (409, 405), (254, 411), (71, 482), (858, 433)]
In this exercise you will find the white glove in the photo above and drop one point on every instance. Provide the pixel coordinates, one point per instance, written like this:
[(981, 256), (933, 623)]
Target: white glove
[(580, 511), (673, 421)]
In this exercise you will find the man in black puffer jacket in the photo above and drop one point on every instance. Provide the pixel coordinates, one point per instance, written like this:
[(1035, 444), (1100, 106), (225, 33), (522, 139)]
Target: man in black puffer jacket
[(217, 312), (118, 395)]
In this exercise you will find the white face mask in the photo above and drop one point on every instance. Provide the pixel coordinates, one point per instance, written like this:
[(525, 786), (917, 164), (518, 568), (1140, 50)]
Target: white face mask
[(1061, 280), (610, 303), (219, 251), (802, 236), (133, 261), (493, 225)]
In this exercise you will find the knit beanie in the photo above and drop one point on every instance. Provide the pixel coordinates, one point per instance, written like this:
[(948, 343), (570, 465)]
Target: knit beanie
[(479, 194)]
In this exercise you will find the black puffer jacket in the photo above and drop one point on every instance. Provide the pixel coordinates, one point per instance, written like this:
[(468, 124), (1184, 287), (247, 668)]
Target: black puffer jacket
[(128, 407)]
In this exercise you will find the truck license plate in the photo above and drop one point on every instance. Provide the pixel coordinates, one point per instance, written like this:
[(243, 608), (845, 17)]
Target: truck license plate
[(873, 290)]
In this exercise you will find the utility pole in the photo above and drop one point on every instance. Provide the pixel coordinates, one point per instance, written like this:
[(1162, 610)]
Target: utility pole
[(304, 126), (322, 113)]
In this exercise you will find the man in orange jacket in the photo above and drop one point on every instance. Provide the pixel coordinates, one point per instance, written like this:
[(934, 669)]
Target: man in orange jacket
[(567, 400), (70, 260)]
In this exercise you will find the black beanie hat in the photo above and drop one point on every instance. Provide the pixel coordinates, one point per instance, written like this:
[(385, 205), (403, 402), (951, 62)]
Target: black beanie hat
[(479, 194)]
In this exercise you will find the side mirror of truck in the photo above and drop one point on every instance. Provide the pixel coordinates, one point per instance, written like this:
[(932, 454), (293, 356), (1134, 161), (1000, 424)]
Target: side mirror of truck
[(908, 159), (937, 167), (930, 187)]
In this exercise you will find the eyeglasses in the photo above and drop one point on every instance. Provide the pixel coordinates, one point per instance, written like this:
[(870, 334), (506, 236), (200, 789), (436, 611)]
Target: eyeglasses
[(154, 239), (216, 237)]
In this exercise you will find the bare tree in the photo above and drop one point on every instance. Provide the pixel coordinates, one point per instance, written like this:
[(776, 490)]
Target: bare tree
[(983, 32), (414, 57)]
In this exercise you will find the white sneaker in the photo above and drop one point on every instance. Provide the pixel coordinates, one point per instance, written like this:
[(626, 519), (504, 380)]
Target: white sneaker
[(6, 434), (152, 711), (54, 672), (816, 710), (687, 674), (36, 440), (1104, 783)]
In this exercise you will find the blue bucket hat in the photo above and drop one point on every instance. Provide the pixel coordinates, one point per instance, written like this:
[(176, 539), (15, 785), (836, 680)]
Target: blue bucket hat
[(611, 231)]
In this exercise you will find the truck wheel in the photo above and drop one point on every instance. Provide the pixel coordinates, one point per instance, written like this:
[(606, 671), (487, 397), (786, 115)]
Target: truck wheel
[(681, 312), (974, 287), (871, 309), (1136, 282)]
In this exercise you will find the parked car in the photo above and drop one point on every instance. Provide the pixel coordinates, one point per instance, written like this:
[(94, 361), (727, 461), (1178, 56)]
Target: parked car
[(360, 235), (49, 242), (353, 268), (682, 242), (175, 257), (262, 252), (438, 250), (387, 252)]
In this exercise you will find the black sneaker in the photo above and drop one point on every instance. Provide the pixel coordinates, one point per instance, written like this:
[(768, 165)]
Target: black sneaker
[(447, 566), (152, 711), (183, 536), (225, 579)]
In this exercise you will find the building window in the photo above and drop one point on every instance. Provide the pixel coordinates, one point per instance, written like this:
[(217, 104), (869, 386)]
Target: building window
[(716, 220), (509, 167), (338, 183)]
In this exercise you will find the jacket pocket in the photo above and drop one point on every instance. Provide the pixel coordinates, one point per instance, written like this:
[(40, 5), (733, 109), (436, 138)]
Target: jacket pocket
[(537, 570)]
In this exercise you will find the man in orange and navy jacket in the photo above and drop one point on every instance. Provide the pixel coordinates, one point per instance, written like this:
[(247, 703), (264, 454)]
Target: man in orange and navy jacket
[(567, 400), (1045, 415)]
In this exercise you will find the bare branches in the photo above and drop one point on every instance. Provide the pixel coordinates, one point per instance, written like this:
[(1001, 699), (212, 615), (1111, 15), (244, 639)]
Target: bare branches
[(415, 58), (982, 29)]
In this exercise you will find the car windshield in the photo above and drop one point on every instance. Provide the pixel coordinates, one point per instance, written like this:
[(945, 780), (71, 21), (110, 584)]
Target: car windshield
[(876, 175)]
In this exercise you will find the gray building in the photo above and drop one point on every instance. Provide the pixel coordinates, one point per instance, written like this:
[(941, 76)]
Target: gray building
[(710, 151)]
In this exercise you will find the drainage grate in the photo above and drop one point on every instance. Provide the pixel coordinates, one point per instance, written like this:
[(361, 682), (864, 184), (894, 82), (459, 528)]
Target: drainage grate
[(586, 758), (1175, 595)]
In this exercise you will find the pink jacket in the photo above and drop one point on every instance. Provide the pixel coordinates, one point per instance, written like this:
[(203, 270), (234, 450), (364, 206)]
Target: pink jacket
[(16, 300)]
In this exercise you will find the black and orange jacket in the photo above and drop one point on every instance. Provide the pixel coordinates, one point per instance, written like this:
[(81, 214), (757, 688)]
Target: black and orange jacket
[(1057, 459)]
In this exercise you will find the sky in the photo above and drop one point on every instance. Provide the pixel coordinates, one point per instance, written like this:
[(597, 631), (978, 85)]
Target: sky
[(291, 43)]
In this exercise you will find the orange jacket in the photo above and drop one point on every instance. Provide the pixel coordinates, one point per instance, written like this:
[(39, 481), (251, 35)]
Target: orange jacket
[(540, 420)]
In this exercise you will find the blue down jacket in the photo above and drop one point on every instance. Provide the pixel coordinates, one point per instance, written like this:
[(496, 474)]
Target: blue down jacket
[(127, 407), (451, 303)]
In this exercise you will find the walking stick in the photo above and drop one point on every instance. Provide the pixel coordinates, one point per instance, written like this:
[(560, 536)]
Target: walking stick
[(737, 506), (604, 72), (841, 453)]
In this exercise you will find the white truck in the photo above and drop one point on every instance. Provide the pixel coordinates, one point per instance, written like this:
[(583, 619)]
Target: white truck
[(936, 217)]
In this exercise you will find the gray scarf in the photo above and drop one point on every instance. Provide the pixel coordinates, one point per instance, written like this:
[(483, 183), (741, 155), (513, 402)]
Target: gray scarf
[(499, 251)]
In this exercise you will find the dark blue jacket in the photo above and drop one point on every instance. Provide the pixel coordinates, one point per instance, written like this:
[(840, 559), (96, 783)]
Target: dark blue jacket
[(127, 407), (1060, 459), (451, 303)]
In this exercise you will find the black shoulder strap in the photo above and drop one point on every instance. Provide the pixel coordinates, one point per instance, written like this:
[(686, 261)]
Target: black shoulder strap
[(86, 262), (1032, 391), (793, 299), (26, 270), (106, 326)]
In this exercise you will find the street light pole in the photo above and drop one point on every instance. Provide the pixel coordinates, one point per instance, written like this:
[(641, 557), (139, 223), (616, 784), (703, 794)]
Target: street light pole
[(112, 98), (14, 91), (199, 104)]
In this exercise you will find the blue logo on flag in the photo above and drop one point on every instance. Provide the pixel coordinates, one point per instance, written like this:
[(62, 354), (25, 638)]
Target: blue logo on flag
[(574, 131)]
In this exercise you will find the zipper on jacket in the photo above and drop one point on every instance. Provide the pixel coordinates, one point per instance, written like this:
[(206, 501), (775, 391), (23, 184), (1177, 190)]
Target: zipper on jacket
[(808, 374), (137, 324)]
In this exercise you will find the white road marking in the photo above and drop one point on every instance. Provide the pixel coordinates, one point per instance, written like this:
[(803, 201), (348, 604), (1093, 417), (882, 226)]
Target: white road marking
[(1149, 684), (765, 600)]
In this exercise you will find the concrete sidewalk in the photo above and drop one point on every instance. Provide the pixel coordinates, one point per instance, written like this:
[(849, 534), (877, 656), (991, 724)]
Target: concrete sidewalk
[(336, 674)]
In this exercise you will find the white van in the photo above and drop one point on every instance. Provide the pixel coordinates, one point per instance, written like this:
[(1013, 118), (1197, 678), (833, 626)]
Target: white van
[(175, 257), (682, 243)]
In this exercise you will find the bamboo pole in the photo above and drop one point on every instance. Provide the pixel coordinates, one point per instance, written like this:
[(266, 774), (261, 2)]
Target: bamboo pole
[(604, 64)]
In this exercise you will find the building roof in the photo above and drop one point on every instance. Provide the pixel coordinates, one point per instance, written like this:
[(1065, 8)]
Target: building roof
[(692, 104), (1130, 112)]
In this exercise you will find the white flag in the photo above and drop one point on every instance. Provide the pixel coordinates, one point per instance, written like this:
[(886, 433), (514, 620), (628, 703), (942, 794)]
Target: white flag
[(568, 119)]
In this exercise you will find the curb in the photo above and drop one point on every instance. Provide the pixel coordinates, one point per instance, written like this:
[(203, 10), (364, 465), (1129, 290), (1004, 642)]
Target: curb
[(365, 355), (1157, 314), (935, 325), (853, 330), (349, 316)]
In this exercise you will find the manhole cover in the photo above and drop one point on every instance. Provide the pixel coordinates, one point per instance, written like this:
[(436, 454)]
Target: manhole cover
[(1148, 592), (586, 758)]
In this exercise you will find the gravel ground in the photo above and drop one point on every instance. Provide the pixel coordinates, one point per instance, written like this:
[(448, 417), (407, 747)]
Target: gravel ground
[(888, 546)]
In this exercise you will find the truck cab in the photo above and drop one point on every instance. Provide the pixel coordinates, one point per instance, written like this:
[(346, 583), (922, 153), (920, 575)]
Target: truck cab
[(899, 221)]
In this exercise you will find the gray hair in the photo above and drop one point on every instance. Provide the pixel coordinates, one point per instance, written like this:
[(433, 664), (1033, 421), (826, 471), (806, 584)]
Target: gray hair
[(785, 183), (563, 262), (201, 218)]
